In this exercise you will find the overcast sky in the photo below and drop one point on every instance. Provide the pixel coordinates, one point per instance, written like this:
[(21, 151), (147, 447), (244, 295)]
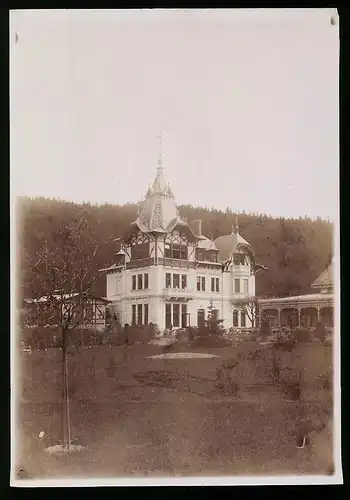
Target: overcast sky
[(247, 102)]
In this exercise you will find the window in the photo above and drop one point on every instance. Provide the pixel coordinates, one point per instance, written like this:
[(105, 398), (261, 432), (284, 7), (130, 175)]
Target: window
[(239, 259), (145, 281), (201, 283), (237, 285), (134, 282), (245, 286), (167, 250), (139, 281), (176, 315), (183, 281), (200, 317), (167, 280), (215, 287), (175, 251), (168, 316), (243, 319), (176, 281), (145, 314), (183, 253), (133, 319), (199, 254), (183, 315), (235, 318), (140, 251), (139, 314)]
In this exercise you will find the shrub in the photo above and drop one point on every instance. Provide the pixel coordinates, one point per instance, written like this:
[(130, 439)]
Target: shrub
[(224, 383), (301, 335), (39, 337), (265, 329), (153, 329), (139, 334), (320, 332), (293, 390), (326, 380), (192, 333)]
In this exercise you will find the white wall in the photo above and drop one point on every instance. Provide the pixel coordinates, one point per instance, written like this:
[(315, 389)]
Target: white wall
[(124, 296)]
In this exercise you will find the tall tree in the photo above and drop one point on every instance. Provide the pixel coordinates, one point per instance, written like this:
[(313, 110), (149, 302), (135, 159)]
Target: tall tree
[(249, 306), (62, 278)]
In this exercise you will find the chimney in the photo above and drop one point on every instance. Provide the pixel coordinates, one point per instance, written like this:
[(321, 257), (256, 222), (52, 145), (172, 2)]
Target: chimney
[(197, 226)]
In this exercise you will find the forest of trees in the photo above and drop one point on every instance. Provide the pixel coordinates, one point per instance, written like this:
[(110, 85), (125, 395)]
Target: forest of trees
[(295, 251)]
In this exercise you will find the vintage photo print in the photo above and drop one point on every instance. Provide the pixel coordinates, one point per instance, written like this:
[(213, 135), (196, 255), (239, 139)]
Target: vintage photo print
[(175, 313)]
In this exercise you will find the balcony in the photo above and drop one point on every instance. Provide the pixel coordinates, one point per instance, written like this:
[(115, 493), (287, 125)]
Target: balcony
[(182, 294)]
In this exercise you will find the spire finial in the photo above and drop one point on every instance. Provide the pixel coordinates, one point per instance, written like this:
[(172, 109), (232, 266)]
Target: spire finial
[(235, 228), (160, 159)]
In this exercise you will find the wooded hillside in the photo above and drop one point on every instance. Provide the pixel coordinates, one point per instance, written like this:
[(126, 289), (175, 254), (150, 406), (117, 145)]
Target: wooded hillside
[(295, 251)]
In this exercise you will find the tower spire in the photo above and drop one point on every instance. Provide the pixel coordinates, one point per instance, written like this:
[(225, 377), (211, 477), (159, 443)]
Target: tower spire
[(160, 158), (235, 228)]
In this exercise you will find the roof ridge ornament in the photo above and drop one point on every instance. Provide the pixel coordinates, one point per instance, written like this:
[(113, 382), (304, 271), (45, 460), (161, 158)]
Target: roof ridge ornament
[(235, 228)]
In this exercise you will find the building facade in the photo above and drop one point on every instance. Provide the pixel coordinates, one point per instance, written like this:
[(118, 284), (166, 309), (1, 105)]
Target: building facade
[(168, 273), (303, 310)]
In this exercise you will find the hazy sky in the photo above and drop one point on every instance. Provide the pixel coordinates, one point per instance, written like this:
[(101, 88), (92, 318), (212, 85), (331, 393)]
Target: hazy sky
[(247, 102)]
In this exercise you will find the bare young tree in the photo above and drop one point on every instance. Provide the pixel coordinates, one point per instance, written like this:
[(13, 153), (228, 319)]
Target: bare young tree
[(62, 275), (249, 306)]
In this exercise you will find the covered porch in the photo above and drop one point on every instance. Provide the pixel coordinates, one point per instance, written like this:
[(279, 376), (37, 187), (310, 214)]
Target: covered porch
[(301, 311)]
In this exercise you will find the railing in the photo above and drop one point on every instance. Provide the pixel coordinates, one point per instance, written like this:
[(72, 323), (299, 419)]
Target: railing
[(134, 264), (170, 262), (185, 293)]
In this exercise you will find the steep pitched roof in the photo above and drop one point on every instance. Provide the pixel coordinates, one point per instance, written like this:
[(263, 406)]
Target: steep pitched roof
[(325, 279), (228, 243), (207, 244)]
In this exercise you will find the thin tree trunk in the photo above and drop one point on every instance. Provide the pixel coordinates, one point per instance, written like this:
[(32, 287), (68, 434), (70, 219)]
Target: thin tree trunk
[(67, 404), (63, 400), (66, 429)]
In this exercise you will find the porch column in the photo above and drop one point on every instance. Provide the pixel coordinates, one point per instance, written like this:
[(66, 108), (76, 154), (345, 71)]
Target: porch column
[(318, 313), (279, 317), (299, 311)]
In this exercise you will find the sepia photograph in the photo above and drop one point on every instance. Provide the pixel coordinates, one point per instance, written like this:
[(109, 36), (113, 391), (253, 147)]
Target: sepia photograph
[(175, 279)]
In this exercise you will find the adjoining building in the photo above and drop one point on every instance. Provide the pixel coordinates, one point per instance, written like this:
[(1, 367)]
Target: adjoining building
[(168, 273), (303, 310), (87, 311)]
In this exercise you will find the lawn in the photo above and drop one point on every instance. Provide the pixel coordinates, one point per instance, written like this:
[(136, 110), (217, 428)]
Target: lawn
[(138, 416)]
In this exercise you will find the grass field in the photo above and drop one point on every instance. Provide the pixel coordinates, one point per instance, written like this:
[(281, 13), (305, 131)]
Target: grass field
[(138, 416)]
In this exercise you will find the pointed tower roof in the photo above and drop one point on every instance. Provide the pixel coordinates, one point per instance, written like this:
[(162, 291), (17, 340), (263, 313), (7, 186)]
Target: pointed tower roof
[(158, 211), (325, 279)]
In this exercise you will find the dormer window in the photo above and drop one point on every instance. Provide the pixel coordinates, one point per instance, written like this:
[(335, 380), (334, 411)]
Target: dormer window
[(199, 254), (211, 256), (239, 259)]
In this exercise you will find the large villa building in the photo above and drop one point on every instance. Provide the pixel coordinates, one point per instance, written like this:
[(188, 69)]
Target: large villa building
[(166, 272)]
